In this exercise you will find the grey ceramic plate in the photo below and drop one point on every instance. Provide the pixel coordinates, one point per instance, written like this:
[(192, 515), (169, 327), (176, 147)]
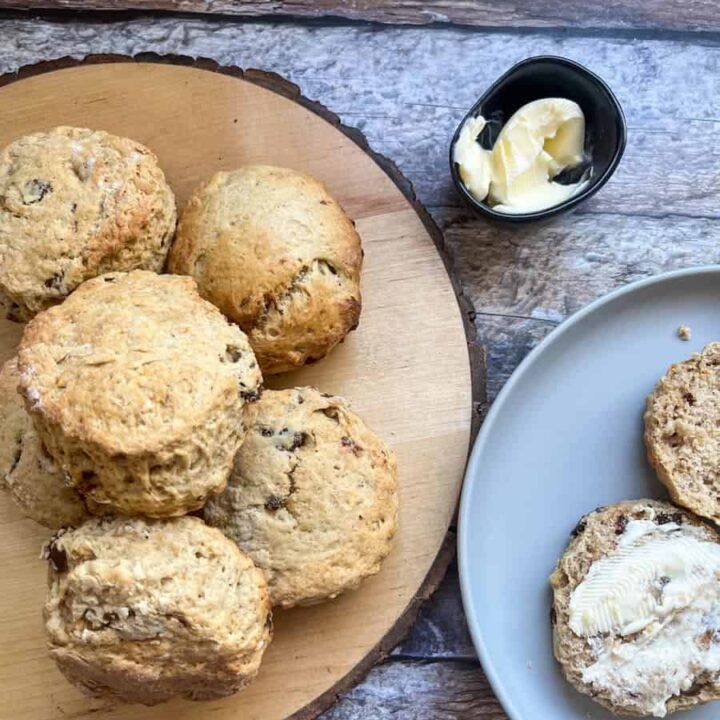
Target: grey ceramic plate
[(564, 436)]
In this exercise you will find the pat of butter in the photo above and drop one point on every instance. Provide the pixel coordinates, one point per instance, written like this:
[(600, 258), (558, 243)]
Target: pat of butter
[(538, 142), (473, 161)]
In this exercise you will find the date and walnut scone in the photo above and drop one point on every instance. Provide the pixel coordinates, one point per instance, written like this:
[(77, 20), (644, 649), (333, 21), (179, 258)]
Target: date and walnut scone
[(145, 610), (681, 432), (141, 390), (277, 254), (74, 204), (27, 472), (312, 498), (636, 611)]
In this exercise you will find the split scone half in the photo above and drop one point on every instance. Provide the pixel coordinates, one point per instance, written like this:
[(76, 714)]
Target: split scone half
[(636, 608)]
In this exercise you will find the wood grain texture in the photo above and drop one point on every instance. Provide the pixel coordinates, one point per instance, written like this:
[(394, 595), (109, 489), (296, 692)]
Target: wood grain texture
[(625, 14), (407, 89), (409, 306), (416, 690)]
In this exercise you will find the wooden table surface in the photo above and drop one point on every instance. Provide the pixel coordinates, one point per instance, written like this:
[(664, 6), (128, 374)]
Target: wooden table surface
[(406, 88)]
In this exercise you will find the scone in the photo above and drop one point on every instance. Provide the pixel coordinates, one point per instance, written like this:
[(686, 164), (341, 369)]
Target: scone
[(76, 203), (27, 472), (273, 250), (141, 611), (681, 432), (312, 498), (140, 390), (636, 611)]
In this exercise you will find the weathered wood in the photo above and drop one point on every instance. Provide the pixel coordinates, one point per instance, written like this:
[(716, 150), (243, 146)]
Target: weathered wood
[(407, 89), (625, 14), (440, 630), (415, 690)]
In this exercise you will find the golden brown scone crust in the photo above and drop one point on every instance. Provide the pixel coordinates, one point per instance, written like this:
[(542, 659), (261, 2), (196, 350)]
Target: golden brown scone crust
[(142, 610), (594, 537), (273, 250), (312, 498), (141, 390), (76, 203), (682, 432), (27, 472)]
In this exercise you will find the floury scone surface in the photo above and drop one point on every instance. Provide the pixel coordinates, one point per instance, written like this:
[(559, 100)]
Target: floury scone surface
[(74, 204), (141, 610), (278, 255), (312, 498), (141, 390)]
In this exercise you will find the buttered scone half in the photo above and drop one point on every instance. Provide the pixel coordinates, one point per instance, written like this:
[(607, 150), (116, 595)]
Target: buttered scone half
[(141, 610), (76, 203), (278, 255), (312, 498), (141, 391), (636, 609), (27, 472), (681, 432)]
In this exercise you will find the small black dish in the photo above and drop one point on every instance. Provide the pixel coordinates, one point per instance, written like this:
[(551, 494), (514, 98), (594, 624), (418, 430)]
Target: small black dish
[(541, 77)]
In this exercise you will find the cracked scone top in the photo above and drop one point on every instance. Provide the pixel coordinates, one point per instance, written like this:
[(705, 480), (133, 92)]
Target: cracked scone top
[(27, 472), (681, 431), (140, 390), (76, 203), (277, 254), (636, 611), (142, 610), (312, 498)]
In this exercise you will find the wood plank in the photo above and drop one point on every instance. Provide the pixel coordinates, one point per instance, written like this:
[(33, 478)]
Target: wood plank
[(624, 14), (440, 631), (670, 165), (417, 690)]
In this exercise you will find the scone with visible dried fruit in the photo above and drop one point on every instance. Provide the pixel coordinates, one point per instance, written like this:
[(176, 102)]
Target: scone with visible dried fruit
[(278, 255), (142, 610), (312, 498), (74, 204), (681, 432), (141, 390), (27, 472), (636, 608)]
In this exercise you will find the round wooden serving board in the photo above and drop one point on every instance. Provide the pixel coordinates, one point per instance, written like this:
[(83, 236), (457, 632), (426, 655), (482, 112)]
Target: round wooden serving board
[(406, 370)]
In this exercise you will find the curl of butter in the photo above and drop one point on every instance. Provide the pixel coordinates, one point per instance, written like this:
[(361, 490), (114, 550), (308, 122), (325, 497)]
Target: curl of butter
[(539, 141), (655, 571)]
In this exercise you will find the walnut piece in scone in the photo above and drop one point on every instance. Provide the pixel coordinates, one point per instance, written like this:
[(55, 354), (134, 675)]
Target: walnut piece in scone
[(141, 390), (145, 610), (312, 498), (74, 204), (278, 255)]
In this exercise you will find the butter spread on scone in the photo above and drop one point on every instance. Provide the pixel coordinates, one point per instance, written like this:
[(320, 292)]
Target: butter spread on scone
[(76, 203), (278, 255), (141, 390), (312, 497), (646, 611), (662, 582), (32, 478), (145, 610)]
